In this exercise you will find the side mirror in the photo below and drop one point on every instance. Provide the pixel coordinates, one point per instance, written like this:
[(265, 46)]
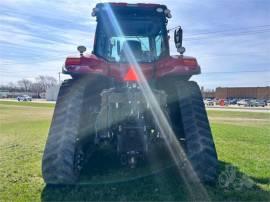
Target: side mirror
[(81, 50), (178, 39)]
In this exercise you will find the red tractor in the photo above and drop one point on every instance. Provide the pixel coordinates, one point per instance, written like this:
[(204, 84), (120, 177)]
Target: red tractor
[(131, 94)]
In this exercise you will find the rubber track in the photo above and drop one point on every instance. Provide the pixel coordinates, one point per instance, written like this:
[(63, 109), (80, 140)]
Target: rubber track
[(58, 160), (198, 137)]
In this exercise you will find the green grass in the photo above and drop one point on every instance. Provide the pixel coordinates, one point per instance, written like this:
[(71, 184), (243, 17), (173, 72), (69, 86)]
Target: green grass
[(242, 141), (239, 114), (27, 104)]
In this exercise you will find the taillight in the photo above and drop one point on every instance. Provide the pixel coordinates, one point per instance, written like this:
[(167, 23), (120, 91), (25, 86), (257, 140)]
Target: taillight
[(190, 62), (131, 75), (73, 61)]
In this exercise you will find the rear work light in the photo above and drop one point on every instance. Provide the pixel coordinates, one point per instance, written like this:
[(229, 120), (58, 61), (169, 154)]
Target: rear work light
[(134, 5), (119, 4), (131, 75)]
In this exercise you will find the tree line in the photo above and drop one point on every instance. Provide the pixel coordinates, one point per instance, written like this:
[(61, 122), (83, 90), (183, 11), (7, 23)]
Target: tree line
[(38, 86)]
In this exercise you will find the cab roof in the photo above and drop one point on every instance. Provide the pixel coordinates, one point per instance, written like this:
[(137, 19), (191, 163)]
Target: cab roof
[(132, 10), (141, 5)]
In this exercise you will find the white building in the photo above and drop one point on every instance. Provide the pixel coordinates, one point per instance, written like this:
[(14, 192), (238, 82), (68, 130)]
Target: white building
[(3, 94), (52, 93)]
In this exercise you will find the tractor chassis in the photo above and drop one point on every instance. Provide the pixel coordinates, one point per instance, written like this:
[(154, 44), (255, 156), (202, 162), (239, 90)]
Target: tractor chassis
[(125, 121)]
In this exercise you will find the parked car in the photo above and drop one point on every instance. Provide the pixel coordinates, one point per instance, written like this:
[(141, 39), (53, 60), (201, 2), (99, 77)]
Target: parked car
[(261, 103), (232, 101), (24, 98), (216, 101), (226, 102), (257, 103), (242, 102), (252, 103), (208, 102)]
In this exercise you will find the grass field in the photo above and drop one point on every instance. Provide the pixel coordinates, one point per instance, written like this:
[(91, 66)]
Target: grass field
[(242, 140)]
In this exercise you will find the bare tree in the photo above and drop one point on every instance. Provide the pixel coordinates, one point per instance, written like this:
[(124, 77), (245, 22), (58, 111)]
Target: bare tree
[(44, 82), (25, 84), (10, 87), (36, 88)]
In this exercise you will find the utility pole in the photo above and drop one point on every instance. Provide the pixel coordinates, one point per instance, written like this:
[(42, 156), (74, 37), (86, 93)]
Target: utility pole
[(59, 77)]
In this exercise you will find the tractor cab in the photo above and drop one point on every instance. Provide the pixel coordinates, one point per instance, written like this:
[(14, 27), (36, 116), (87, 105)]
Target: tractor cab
[(140, 28), (129, 35)]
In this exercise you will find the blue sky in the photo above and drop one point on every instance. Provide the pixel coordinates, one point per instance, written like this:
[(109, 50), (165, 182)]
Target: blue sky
[(230, 38)]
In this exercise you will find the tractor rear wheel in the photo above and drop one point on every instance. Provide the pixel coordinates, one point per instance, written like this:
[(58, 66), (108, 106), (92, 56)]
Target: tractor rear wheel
[(199, 144)]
